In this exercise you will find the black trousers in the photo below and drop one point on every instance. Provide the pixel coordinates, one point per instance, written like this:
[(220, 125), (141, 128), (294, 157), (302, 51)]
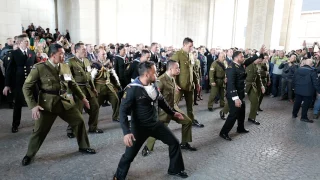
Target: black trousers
[(235, 113), (307, 100), (19, 101), (159, 131)]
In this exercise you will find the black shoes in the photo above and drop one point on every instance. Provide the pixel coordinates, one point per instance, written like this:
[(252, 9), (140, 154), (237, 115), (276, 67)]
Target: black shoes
[(145, 151), (70, 135), (225, 136), (26, 160), (210, 109), (98, 131), (222, 115), (196, 123), (242, 131), (181, 174), (294, 116), (307, 120), (253, 121), (87, 150), (187, 146), (196, 104), (14, 129), (260, 109), (115, 120)]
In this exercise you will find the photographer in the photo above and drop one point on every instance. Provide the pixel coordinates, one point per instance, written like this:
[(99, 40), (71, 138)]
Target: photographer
[(288, 69)]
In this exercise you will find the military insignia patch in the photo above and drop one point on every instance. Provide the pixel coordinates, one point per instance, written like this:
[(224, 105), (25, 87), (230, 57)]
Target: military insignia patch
[(8, 58), (128, 66), (124, 95), (211, 69)]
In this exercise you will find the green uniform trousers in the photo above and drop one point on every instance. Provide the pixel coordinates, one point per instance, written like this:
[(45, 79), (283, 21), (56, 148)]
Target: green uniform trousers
[(186, 132), (215, 90), (107, 95), (188, 95), (93, 111), (225, 109), (253, 96), (43, 125), (264, 82)]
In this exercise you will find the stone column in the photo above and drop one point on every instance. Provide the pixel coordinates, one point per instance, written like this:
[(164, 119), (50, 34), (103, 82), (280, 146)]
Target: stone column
[(290, 20), (259, 24), (10, 21)]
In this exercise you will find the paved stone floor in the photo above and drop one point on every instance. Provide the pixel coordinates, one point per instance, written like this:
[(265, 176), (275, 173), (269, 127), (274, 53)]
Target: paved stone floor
[(280, 148)]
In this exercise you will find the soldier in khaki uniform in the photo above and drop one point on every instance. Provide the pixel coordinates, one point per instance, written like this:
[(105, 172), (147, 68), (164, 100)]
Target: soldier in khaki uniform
[(188, 79), (217, 76), (253, 82), (53, 79), (197, 69), (263, 69), (106, 82), (81, 71), (167, 86)]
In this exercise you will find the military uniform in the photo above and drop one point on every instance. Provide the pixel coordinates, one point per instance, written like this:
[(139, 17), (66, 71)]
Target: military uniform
[(263, 70), (217, 75), (197, 69), (167, 87), (17, 70), (253, 82), (53, 83), (236, 75), (120, 65), (186, 80), (81, 71), (107, 85)]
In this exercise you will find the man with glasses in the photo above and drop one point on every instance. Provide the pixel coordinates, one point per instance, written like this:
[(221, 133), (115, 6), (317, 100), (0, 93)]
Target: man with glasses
[(20, 62)]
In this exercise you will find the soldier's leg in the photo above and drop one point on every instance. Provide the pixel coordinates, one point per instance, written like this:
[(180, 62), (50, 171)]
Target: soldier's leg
[(41, 128), (93, 113), (213, 93), (17, 107), (75, 119), (241, 113), (130, 153), (226, 109), (290, 92), (254, 100), (114, 100), (221, 94), (231, 119), (101, 99), (186, 130), (164, 134), (79, 106), (151, 141), (189, 103)]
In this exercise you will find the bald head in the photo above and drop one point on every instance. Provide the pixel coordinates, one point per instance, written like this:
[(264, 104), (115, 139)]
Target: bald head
[(308, 62)]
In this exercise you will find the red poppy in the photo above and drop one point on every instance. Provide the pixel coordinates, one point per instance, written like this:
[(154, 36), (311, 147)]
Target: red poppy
[(30, 55)]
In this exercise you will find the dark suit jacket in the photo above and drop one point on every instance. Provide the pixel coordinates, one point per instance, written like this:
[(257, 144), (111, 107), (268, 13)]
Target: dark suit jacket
[(18, 68), (90, 58), (154, 58), (210, 60)]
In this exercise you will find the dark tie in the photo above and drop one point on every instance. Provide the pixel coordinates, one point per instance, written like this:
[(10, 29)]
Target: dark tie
[(92, 57), (25, 53)]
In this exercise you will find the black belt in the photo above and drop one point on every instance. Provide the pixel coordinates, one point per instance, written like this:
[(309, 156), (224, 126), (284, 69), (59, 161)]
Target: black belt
[(58, 93)]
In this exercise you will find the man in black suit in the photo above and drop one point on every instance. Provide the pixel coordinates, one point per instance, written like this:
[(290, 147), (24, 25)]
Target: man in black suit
[(236, 75), (112, 53), (20, 62), (90, 54), (229, 58), (120, 65), (154, 49)]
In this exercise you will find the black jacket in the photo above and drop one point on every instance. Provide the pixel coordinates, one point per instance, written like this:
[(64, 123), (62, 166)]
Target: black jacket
[(18, 68), (306, 81), (119, 67), (236, 75), (132, 71), (288, 71), (143, 110)]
